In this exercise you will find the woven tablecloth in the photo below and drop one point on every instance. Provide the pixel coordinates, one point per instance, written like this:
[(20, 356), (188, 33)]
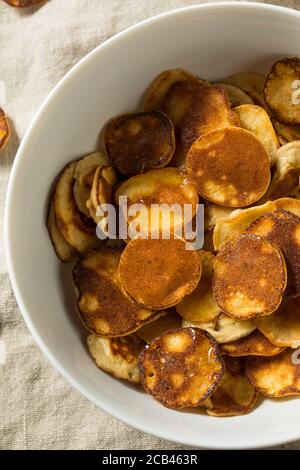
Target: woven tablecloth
[(38, 407)]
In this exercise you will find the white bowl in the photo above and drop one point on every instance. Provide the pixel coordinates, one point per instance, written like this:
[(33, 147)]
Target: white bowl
[(211, 40)]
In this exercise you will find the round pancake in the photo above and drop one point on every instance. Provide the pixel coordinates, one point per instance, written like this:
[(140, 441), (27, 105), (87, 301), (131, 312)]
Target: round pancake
[(229, 167), (159, 273), (136, 143), (275, 376), (103, 305), (168, 186), (235, 395), (181, 368), (200, 304), (78, 230), (224, 328), (279, 90), (283, 228), (256, 344), (168, 321), (4, 129), (249, 277), (283, 326), (117, 356)]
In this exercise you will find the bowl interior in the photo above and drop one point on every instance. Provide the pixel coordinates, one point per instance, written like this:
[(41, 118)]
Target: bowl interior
[(212, 41)]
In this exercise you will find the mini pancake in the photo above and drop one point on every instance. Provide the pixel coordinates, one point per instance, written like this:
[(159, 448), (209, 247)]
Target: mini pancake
[(83, 176), (214, 214), (65, 252), (4, 129), (255, 344), (229, 167), (76, 228), (279, 90), (159, 273), (286, 177), (275, 376), (168, 321), (24, 3), (136, 143), (209, 110), (249, 277), (161, 85), (200, 306), (283, 229), (223, 328), (104, 180), (236, 96), (181, 368), (103, 305), (256, 120), (166, 186), (235, 395), (283, 327), (234, 224), (117, 356), (250, 82), (288, 204), (286, 132)]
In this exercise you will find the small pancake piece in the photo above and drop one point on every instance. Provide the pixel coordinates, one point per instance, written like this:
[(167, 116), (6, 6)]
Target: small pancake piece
[(4, 129), (255, 344), (255, 119), (235, 395), (181, 368), (283, 229), (165, 186), (229, 167), (279, 90), (250, 82), (24, 3), (104, 180), (200, 305), (286, 177), (230, 227), (214, 214), (159, 273), (275, 376), (103, 305), (288, 204), (223, 328), (286, 132), (83, 176), (283, 326), (236, 96), (168, 321), (162, 84), (117, 356), (65, 252), (76, 228), (136, 143), (249, 277)]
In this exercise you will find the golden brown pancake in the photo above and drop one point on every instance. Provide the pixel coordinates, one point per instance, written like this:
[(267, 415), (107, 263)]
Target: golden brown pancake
[(4, 129), (24, 3), (104, 181), (286, 132), (256, 344), (288, 204), (283, 326), (78, 230), (65, 252), (275, 376), (200, 305), (117, 356), (181, 368), (236, 96), (161, 85), (136, 143), (235, 395), (249, 277), (279, 90), (169, 321), (103, 305), (159, 273), (250, 82), (229, 167), (283, 229)]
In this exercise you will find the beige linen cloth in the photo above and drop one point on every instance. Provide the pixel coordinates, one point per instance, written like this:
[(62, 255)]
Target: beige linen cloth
[(38, 408)]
